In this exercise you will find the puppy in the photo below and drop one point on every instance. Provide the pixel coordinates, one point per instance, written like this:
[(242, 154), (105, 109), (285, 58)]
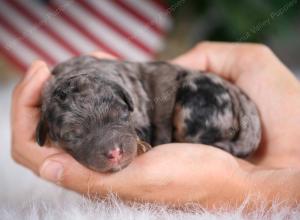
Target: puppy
[(105, 112)]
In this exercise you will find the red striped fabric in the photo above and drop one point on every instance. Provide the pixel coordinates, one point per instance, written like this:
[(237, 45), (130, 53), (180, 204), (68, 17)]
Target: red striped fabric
[(129, 8), (59, 29), (15, 32)]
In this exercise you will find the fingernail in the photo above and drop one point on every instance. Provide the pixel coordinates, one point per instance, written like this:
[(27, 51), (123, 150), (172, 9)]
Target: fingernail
[(52, 171)]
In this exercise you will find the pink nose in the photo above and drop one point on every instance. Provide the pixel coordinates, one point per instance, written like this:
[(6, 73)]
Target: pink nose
[(115, 155)]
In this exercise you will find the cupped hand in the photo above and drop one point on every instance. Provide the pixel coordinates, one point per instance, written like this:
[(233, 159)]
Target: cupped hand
[(168, 173), (172, 173)]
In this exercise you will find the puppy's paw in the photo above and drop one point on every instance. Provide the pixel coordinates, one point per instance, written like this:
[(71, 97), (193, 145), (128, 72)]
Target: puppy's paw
[(142, 147)]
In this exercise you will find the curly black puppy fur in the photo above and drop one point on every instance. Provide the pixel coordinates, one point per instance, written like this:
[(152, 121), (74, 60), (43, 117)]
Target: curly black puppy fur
[(100, 111)]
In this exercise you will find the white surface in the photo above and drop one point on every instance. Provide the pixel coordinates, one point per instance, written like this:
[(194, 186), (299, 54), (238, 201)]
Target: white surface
[(24, 196)]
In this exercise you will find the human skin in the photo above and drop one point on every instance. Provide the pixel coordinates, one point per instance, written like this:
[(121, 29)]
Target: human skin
[(176, 174)]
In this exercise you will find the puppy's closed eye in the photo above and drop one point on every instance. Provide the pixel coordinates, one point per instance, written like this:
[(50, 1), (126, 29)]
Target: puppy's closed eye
[(124, 95), (59, 93)]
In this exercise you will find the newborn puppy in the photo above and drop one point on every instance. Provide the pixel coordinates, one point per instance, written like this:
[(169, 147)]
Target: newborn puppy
[(105, 112)]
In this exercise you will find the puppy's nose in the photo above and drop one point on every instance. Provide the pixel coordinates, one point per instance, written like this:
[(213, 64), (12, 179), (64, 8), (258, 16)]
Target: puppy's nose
[(115, 154)]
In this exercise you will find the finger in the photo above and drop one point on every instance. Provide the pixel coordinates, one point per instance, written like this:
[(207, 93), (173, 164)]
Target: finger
[(25, 114), (103, 55), (30, 155), (29, 91), (228, 60), (37, 64), (192, 60), (64, 170), (219, 58)]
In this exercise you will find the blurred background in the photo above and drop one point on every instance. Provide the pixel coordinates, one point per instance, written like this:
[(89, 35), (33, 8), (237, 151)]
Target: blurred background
[(140, 30), (272, 22)]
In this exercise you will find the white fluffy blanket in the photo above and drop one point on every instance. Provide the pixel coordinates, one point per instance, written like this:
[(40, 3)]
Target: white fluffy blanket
[(25, 196)]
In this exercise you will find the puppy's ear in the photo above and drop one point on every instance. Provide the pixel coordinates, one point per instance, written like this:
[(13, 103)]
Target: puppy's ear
[(126, 97), (41, 132)]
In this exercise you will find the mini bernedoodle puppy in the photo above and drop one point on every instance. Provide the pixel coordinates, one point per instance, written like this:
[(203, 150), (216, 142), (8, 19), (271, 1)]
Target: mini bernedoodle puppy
[(106, 112)]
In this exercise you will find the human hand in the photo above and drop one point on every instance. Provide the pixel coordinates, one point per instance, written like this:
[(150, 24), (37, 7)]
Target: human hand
[(25, 114), (256, 70), (169, 173)]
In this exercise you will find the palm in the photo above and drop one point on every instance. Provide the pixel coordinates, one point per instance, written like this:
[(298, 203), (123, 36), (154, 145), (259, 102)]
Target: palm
[(278, 102), (164, 171), (180, 173)]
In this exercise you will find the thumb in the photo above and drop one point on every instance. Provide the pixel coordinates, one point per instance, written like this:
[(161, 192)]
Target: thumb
[(229, 60), (64, 170), (212, 57)]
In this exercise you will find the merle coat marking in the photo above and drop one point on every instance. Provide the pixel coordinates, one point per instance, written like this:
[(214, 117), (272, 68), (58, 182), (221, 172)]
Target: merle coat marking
[(92, 105)]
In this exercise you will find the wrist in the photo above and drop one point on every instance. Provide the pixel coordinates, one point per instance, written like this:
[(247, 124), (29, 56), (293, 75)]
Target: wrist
[(232, 188), (281, 185)]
